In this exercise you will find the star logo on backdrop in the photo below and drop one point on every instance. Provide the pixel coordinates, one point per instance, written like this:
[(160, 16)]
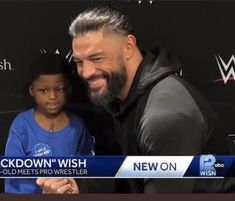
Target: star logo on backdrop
[(68, 56), (150, 2)]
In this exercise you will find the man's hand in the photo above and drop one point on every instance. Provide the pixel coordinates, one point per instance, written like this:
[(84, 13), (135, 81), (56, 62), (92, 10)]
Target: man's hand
[(58, 186)]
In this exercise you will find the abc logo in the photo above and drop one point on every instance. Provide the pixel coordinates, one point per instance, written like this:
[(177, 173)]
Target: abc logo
[(208, 162), (208, 165), (219, 165)]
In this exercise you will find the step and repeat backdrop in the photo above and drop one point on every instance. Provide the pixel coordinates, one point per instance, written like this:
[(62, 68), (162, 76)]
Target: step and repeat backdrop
[(200, 33)]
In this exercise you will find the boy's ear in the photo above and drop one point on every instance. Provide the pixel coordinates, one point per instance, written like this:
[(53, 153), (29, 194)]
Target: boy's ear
[(31, 91)]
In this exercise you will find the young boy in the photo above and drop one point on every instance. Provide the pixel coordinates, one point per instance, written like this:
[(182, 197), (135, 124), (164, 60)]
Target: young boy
[(48, 129)]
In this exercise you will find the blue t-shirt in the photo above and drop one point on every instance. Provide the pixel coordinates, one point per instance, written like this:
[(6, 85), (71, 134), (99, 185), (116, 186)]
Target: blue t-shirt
[(27, 138)]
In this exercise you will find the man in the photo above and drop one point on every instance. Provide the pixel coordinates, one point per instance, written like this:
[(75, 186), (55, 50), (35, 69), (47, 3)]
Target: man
[(155, 111)]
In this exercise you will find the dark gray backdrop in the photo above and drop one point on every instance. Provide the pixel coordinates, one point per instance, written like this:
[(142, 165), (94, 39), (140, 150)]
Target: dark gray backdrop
[(196, 31)]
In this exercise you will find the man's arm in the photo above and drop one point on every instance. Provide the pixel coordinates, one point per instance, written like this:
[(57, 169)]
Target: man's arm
[(170, 134), (171, 124)]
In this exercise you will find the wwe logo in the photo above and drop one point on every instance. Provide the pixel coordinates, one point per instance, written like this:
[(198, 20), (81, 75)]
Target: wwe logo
[(226, 69)]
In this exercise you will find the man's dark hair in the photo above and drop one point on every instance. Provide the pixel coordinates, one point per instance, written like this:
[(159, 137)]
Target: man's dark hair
[(100, 18), (48, 64)]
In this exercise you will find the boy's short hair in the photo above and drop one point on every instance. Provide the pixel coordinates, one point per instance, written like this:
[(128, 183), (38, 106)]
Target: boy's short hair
[(49, 64)]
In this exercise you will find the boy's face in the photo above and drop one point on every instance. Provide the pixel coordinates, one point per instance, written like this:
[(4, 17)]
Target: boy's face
[(49, 93)]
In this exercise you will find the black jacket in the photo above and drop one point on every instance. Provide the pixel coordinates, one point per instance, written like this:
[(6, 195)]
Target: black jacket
[(164, 115)]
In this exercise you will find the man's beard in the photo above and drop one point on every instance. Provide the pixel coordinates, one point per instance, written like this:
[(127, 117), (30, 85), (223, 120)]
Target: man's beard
[(114, 82)]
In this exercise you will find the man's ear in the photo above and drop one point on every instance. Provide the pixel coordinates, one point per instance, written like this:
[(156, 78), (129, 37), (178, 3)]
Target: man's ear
[(130, 46), (31, 91)]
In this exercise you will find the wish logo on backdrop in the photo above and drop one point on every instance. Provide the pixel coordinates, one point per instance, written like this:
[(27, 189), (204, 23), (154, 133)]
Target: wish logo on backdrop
[(5, 65), (227, 69)]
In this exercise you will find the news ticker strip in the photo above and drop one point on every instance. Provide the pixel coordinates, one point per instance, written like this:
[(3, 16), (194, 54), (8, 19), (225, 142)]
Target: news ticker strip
[(203, 166)]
